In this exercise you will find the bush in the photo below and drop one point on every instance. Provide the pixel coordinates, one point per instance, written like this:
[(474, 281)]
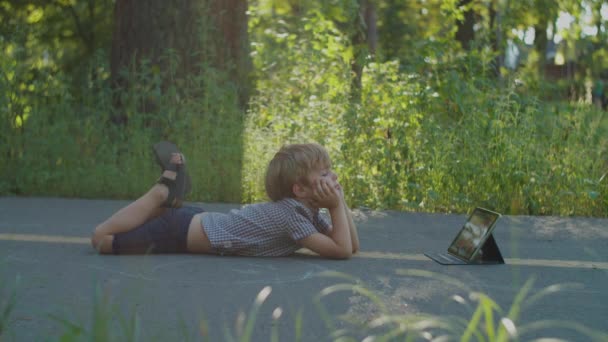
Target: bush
[(439, 133)]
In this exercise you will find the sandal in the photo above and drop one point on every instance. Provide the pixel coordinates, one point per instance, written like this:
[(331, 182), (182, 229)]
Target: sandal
[(162, 151), (178, 187)]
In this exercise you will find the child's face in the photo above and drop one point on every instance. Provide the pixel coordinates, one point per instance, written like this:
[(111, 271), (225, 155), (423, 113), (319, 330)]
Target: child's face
[(324, 173)]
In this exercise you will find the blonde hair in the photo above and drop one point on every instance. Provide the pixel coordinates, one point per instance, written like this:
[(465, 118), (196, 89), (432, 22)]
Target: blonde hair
[(291, 165)]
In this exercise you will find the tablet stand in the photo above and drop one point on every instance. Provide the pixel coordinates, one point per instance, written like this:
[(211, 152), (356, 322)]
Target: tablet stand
[(490, 254)]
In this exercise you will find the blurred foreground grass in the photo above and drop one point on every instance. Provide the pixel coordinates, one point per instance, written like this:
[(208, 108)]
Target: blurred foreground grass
[(486, 320)]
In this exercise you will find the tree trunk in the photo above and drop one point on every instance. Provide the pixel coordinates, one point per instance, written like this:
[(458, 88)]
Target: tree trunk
[(540, 44), (232, 48), (465, 33), (364, 40), (371, 19), (496, 15), (197, 32), (197, 51)]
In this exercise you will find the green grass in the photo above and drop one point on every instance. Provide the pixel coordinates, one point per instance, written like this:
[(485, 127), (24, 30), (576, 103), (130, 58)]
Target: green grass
[(107, 323), (449, 147), (486, 319), (442, 136), (8, 300), (67, 145)]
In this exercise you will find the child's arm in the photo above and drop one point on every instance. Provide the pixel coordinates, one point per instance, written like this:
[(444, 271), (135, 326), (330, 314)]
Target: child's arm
[(351, 224), (354, 236), (337, 244)]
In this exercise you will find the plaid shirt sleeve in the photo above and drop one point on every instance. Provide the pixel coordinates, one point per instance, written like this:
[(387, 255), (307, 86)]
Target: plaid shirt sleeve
[(323, 222), (303, 223)]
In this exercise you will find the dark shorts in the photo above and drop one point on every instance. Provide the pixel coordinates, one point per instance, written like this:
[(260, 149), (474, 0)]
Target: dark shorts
[(167, 233)]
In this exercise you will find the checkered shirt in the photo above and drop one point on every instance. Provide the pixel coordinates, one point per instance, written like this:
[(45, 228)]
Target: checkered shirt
[(263, 229)]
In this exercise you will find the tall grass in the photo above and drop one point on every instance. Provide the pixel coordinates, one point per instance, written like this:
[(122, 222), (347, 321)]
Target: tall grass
[(8, 300), (106, 323), (57, 143), (484, 319), (488, 321), (444, 140)]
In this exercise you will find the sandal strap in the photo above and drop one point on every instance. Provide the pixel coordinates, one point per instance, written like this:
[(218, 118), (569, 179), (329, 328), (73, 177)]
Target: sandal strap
[(172, 201), (162, 153)]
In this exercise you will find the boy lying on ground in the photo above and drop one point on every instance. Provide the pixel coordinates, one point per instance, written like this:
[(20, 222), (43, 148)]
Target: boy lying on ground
[(299, 181)]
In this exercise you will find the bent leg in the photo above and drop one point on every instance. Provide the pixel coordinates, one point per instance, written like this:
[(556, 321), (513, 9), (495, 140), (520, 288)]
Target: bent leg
[(130, 217)]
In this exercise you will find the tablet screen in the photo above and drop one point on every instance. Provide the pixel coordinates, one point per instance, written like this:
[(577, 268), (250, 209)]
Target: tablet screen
[(473, 233)]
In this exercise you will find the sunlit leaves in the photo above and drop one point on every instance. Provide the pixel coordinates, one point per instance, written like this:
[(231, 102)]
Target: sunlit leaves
[(35, 15), (434, 127), (67, 2)]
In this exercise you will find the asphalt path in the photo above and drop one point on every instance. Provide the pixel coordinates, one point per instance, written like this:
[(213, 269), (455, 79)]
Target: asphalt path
[(61, 285)]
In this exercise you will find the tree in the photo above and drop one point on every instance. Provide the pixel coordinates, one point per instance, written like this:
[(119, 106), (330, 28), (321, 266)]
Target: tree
[(545, 13), (465, 32), (178, 38), (196, 55), (57, 35), (364, 39)]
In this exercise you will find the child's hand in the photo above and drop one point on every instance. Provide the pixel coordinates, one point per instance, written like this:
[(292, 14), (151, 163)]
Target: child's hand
[(340, 190), (326, 196)]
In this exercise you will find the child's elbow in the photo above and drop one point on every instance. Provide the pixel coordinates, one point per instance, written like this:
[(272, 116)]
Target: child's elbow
[(342, 255)]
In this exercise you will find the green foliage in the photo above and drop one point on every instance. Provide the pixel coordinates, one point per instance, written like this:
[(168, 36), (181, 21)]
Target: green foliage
[(488, 320), (64, 32), (106, 323), (437, 134), (301, 92), (55, 142), (484, 320), (8, 300), (433, 129)]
